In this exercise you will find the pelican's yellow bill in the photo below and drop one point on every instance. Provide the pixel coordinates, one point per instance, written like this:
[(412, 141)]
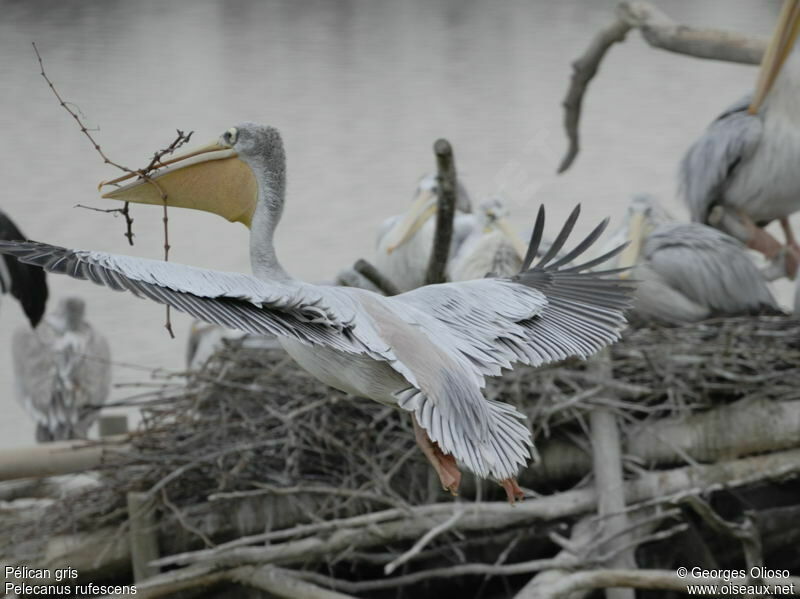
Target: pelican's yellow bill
[(212, 179), (779, 48)]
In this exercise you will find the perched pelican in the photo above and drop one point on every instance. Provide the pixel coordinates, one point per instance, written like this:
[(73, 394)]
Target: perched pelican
[(743, 171), (405, 241), (426, 351), (688, 271), (492, 247), (205, 340), (63, 372), (26, 283)]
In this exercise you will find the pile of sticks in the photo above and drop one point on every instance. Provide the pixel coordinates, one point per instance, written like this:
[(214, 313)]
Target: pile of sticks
[(254, 473)]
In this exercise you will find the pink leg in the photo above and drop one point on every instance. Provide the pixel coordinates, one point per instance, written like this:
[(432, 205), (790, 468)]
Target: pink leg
[(444, 464), (761, 241), (513, 492)]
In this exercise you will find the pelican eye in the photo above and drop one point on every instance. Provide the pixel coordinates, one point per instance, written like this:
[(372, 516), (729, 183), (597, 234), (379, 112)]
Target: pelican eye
[(230, 135)]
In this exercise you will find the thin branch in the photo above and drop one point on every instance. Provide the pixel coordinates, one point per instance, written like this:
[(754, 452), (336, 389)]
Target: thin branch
[(144, 173), (424, 540)]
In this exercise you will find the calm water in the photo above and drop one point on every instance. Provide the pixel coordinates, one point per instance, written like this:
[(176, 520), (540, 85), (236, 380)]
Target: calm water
[(360, 90)]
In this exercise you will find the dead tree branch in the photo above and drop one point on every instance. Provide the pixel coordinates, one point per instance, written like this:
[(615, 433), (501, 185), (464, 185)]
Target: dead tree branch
[(659, 31), (446, 177), (638, 579)]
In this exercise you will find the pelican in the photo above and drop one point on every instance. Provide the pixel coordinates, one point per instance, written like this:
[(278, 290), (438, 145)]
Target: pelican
[(687, 271), (743, 171), (63, 372), (426, 351), (205, 340), (492, 247), (24, 282), (405, 241)]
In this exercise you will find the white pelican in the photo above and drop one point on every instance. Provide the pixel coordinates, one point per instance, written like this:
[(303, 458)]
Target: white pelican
[(63, 372), (426, 351), (743, 171), (492, 247), (26, 283), (205, 339), (405, 241), (688, 272)]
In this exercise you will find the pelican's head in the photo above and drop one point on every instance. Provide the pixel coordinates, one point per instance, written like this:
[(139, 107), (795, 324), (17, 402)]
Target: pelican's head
[(219, 177), (493, 215), (779, 48), (422, 208), (68, 315), (644, 214)]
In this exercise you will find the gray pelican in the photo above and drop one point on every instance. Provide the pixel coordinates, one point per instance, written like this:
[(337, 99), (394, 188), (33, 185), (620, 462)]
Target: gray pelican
[(26, 283), (426, 351), (405, 241), (205, 339), (743, 171), (63, 372), (688, 272), (492, 247)]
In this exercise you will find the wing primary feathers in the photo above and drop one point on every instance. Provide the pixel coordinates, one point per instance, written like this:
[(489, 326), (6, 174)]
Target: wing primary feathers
[(599, 260), (583, 245), (536, 239), (561, 238)]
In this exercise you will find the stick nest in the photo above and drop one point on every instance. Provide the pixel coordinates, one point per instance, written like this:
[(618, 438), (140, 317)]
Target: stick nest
[(252, 423)]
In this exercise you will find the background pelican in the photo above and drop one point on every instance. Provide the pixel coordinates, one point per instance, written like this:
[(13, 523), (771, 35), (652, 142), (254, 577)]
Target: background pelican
[(427, 351), (490, 247), (687, 271), (743, 171), (26, 283), (63, 372), (405, 241), (205, 339)]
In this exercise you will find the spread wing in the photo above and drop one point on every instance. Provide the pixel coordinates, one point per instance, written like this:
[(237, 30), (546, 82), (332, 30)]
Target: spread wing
[(546, 312), (294, 309), (713, 158), (708, 267)]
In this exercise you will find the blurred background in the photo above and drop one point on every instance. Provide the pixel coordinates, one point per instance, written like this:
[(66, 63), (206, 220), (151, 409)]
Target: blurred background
[(360, 90)]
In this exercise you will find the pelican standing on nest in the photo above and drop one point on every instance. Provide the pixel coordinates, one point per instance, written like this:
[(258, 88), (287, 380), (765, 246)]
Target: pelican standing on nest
[(63, 372), (687, 272), (426, 351), (743, 171), (26, 283), (492, 247), (405, 241)]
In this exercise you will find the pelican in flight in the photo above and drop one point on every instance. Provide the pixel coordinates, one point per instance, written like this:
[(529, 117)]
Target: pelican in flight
[(742, 173), (687, 272), (63, 372), (405, 241), (492, 247), (26, 283), (426, 351)]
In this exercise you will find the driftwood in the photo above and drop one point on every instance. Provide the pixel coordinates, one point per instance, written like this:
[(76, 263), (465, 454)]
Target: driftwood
[(659, 31), (60, 457), (638, 579)]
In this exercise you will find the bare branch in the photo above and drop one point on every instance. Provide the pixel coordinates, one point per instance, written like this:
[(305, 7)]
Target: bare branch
[(659, 31), (446, 177), (425, 539)]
